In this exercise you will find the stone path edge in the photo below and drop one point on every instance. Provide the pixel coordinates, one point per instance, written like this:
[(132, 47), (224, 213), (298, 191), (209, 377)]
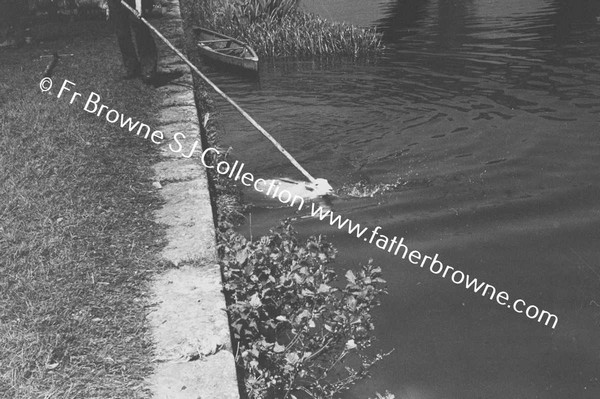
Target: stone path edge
[(193, 357)]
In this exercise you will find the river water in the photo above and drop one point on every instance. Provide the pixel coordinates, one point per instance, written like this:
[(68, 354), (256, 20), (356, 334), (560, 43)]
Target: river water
[(476, 136)]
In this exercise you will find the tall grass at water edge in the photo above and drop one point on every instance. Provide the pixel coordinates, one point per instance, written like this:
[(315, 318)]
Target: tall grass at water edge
[(279, 28)]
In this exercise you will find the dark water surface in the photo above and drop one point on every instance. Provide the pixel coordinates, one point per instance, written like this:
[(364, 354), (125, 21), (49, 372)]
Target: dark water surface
[(478, 136)]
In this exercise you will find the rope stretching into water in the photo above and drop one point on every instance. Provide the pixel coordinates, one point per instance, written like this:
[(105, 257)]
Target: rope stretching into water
[(225, 96)]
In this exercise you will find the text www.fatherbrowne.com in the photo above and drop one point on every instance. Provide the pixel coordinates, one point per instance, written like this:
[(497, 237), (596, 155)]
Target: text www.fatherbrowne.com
[(397, 246), (236, 171)]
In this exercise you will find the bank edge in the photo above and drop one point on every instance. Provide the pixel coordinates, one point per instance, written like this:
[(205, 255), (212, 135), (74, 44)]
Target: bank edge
[(188, 323)]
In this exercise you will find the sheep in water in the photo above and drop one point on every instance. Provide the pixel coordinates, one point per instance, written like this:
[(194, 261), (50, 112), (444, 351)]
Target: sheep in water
[(294, 193), (302, 189)]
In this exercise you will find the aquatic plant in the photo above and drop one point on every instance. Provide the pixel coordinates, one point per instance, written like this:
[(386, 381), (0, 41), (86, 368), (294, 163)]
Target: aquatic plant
[(257, 10), (297, 333), (280, 28)]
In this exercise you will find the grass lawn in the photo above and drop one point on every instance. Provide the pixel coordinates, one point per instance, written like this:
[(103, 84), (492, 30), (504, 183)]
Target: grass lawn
[(78, 244)]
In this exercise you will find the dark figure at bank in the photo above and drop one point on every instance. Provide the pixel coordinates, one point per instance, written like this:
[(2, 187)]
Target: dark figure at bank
[(143, 61)]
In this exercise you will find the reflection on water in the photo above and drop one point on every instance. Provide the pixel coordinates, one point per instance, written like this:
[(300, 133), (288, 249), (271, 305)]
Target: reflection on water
[(361, 13), (476, 136)]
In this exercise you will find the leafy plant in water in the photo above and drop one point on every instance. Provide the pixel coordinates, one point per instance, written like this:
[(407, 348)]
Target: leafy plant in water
[(280, 28), (298, 335)]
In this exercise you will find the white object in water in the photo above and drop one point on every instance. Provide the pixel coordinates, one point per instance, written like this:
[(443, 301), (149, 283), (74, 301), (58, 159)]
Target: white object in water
[(322, 187), (303, 189)]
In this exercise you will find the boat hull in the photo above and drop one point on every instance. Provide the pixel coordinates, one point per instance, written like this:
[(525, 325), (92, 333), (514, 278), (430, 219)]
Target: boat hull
[(225, 49)]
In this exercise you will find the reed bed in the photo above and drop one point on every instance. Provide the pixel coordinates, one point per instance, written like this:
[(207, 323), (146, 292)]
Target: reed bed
[(279, 28)]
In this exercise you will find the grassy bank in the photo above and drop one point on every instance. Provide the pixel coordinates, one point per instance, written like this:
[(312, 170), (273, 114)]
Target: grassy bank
[(279, 28), (77, 241)]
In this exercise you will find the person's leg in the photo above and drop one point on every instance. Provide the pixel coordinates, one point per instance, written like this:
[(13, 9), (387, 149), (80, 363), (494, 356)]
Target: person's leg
[(5, 16), (121, 22), (11, 16), (146, 49), (19, 22)]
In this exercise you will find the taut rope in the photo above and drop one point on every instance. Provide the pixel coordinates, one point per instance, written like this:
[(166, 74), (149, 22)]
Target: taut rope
[(225, 96)]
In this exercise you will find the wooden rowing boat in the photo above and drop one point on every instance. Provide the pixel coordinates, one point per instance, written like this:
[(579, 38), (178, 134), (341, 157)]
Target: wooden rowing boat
[(225, 49)]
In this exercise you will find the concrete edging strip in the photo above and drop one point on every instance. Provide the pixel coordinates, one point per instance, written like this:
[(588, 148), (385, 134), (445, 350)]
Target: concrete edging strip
[(189, 323)]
